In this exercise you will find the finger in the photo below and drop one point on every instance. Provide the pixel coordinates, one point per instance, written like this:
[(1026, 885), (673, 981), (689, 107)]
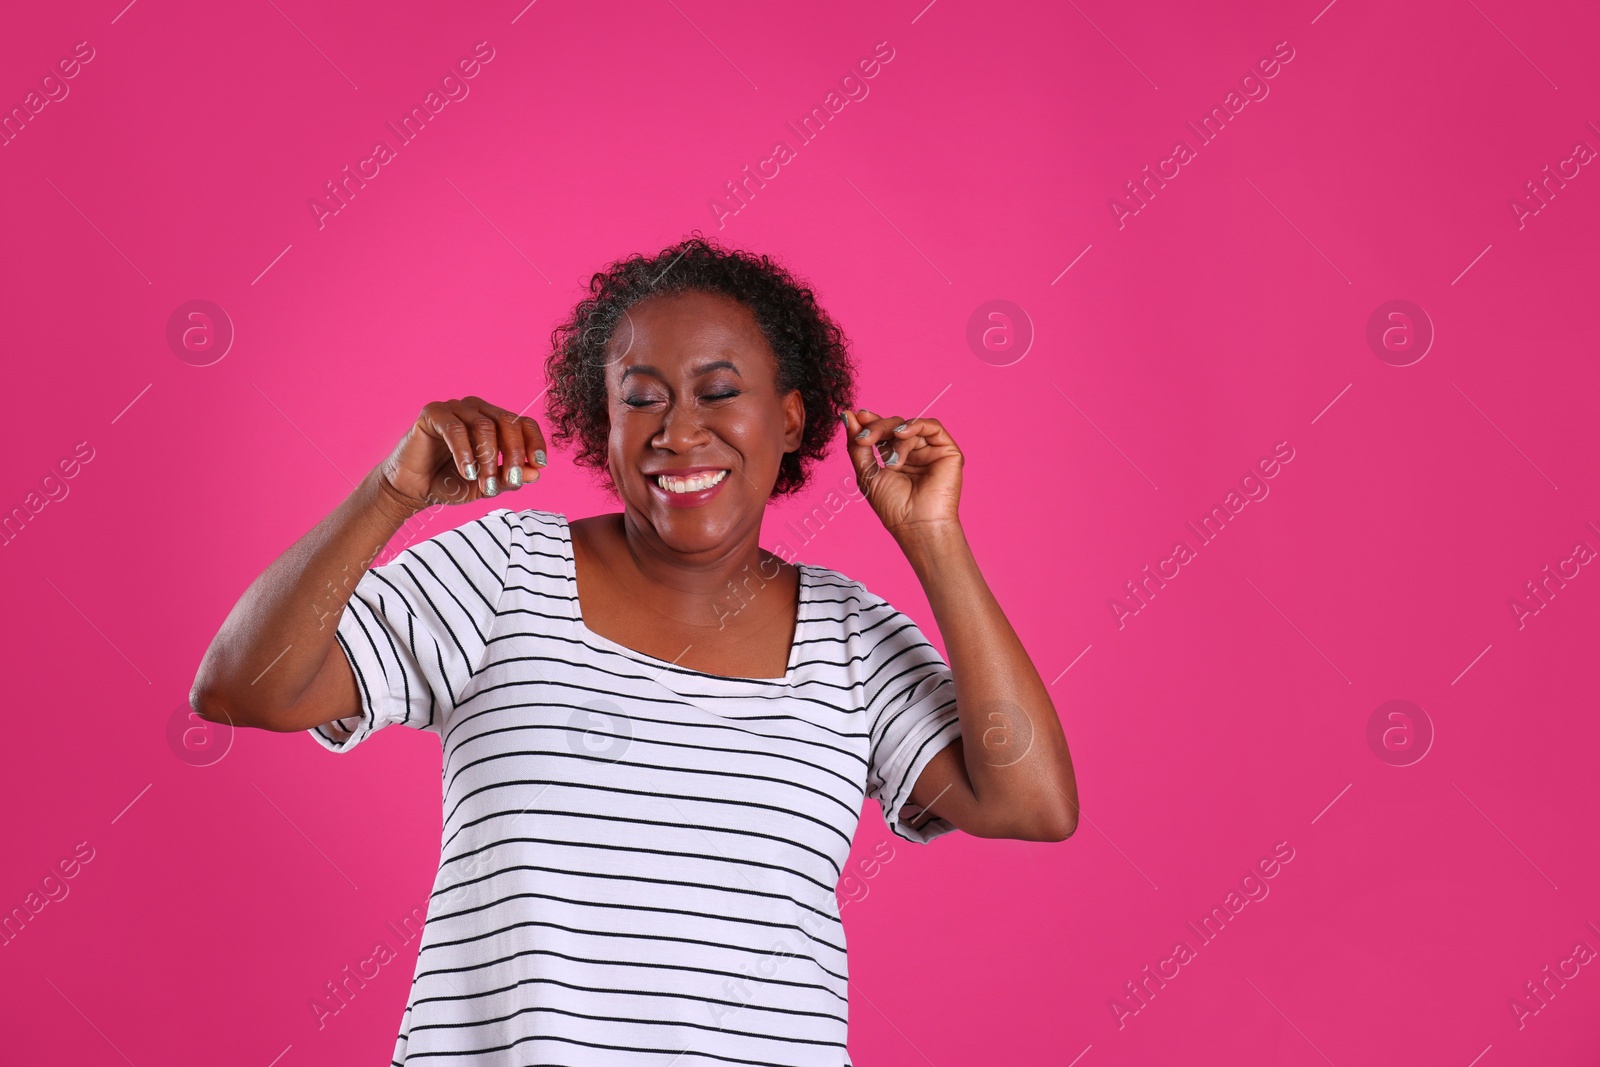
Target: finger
[(909, 436), (931, 431), (877, 432), (533, 446), (453, 432), (513, 453), (860, 453), (485, 445)]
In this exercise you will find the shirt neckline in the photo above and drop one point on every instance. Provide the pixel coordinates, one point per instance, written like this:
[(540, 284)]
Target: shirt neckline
[(569, 561)]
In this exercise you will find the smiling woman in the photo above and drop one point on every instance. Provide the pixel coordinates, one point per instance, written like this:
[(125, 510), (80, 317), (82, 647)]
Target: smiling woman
[(648, 800)]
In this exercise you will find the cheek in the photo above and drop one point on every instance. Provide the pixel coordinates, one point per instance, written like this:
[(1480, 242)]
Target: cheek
[(753, 434)]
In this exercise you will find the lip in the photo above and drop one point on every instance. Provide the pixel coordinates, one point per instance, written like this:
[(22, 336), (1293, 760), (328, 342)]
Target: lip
[(686, 500), (680, 472)]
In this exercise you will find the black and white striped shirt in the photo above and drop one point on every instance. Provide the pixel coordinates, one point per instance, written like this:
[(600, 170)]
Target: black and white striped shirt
[(639, 860)]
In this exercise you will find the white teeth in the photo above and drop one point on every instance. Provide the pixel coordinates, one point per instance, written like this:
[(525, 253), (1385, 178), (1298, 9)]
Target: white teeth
[(692, 484)]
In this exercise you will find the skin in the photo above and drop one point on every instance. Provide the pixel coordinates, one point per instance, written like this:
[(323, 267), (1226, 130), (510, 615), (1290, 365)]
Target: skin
[(690, 382)]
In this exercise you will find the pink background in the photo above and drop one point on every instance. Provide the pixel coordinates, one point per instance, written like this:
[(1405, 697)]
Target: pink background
[(1227, 315)]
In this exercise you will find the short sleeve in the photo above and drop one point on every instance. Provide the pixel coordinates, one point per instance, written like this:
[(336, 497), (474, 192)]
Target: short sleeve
[(911, 713), (416, 628)]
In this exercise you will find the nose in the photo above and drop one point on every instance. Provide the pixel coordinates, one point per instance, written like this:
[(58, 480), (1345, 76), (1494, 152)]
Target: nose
[(681, 430)]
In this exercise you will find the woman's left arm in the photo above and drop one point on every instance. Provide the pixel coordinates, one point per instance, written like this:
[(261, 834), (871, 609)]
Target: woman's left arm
[(1010, 774)]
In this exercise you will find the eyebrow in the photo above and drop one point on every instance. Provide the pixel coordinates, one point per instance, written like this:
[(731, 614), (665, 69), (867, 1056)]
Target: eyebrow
[(704, 368)]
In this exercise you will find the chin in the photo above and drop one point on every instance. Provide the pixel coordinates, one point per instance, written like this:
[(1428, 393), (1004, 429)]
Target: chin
[(701, 527)]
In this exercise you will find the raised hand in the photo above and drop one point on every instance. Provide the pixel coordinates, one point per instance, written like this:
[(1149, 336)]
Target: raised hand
[(918, 486), (463, 450)]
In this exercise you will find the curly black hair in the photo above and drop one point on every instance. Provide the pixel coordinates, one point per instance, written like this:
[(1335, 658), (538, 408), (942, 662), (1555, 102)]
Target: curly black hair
[(813, 352)]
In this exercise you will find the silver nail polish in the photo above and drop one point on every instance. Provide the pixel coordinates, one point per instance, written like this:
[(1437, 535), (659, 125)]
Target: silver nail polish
[(862, 434), (471, 472), (491, 487), (539, 457), (902, 426), (514, 477), (894, 457)]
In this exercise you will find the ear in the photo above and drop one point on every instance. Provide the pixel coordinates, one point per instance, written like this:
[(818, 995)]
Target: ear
[(794, 421)]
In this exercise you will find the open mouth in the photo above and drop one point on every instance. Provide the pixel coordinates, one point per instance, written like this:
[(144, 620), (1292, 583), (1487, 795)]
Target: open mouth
[(693, 483)]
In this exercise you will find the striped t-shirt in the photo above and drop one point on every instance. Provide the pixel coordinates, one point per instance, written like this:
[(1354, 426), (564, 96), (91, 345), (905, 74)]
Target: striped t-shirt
[(639, 860)]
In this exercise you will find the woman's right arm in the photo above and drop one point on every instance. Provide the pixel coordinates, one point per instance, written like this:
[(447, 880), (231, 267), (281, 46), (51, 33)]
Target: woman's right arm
[(274, 664)]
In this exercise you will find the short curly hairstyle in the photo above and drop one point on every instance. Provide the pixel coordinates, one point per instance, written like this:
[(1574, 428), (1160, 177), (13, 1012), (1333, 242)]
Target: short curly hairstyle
[(813, 353)]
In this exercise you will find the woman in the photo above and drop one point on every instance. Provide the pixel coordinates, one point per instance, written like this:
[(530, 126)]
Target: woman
[(657, 735)]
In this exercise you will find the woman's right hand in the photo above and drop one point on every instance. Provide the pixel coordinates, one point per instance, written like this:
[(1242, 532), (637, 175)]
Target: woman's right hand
[(462, 450)]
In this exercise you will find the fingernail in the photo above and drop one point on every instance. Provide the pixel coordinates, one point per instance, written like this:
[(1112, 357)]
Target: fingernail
[(491, 487), (514, 476), (539, 458), (862, 434), (902, 426), (470, 472), (894, 457), (844, 418)]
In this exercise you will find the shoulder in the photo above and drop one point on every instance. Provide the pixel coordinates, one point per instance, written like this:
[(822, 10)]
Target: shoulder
[(531, 520), (843, 600), (496, 539)]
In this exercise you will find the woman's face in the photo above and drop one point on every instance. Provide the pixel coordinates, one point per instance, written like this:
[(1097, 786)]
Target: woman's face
[(691, 386)]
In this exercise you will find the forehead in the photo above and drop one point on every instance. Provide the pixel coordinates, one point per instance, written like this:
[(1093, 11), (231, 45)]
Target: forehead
[(673, 329)]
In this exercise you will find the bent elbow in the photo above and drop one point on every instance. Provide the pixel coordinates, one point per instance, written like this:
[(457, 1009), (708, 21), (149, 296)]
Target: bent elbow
[(213, 706), (1058, 827)]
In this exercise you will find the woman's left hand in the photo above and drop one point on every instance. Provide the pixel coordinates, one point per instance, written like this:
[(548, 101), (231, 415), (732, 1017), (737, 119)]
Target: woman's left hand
[(918, 486)]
